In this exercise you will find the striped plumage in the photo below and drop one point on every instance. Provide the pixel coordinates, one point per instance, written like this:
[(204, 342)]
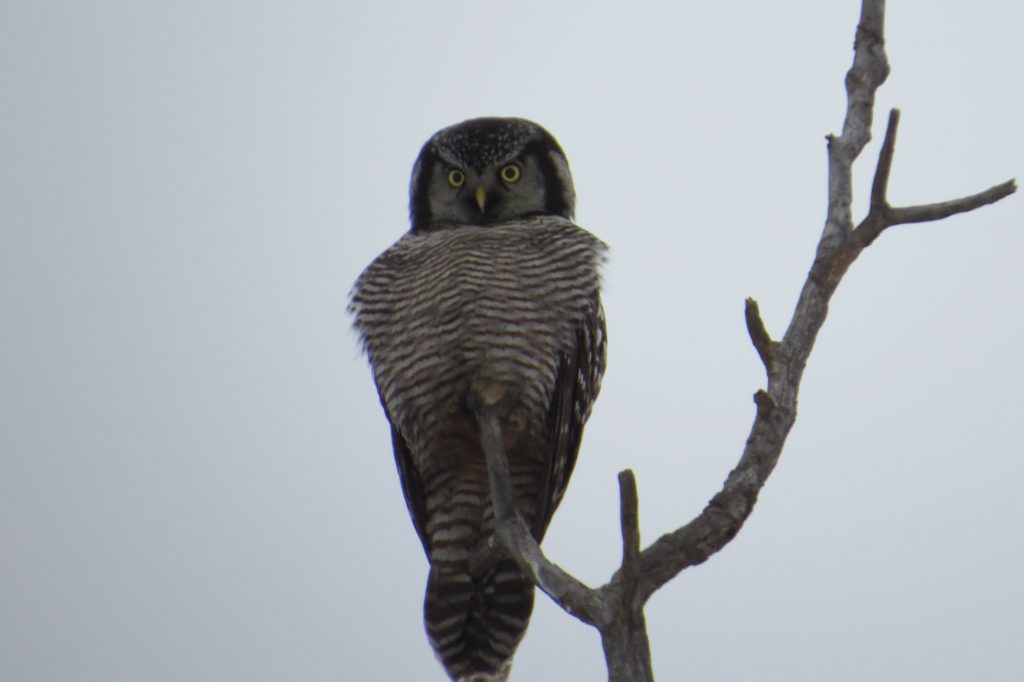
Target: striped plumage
[(493, 292)]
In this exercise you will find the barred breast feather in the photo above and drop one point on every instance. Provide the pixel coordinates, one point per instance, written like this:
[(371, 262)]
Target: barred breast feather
[(514, 307), (439, 307)]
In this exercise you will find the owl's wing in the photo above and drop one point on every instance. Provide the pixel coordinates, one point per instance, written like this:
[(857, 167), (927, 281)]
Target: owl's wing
[(576, 387), (412, 483)]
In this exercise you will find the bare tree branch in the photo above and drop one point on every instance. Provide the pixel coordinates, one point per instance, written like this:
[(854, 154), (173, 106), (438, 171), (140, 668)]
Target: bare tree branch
[(725, 514), (870, 69), (759, 334), (616, 608), (627, 650), (629, 516), (568, 592), (945, 209), (880, 186), (883, 216)]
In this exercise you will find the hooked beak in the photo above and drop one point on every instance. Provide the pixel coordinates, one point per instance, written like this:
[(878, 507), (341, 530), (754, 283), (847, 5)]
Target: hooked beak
[(481, 197)]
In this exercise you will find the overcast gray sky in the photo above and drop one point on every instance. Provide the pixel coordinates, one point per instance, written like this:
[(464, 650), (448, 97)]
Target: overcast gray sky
[(196, 480)]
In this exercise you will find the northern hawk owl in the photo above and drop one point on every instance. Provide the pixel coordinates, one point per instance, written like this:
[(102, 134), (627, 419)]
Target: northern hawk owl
[(493, 290)]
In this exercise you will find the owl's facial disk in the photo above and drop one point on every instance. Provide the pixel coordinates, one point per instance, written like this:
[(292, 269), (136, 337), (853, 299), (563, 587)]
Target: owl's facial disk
[(504, 191)]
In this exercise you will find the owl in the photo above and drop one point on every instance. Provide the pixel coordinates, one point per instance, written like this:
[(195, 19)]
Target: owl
[(493, 292)]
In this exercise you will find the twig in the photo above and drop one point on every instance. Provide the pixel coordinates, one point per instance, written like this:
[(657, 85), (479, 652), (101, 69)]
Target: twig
[(945, 209), (629, 518), (880, 186), (759, 334)]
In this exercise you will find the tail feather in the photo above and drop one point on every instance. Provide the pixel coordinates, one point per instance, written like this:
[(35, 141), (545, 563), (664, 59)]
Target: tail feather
[(475, 625)]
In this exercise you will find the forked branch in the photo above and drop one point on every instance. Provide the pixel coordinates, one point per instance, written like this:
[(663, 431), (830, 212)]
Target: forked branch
[(616, 608), (883, 216)]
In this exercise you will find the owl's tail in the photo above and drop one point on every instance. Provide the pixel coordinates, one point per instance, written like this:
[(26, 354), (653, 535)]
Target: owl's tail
[(475, 624)]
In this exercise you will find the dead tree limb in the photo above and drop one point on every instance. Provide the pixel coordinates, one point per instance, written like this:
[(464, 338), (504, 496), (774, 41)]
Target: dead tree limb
[(616, 608)]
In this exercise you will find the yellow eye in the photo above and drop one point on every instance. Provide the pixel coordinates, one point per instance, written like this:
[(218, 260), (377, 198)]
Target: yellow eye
[(456, 178), (511, 173)]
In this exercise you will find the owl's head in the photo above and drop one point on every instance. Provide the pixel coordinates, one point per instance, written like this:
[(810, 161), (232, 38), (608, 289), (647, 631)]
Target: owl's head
[(489, 170)]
